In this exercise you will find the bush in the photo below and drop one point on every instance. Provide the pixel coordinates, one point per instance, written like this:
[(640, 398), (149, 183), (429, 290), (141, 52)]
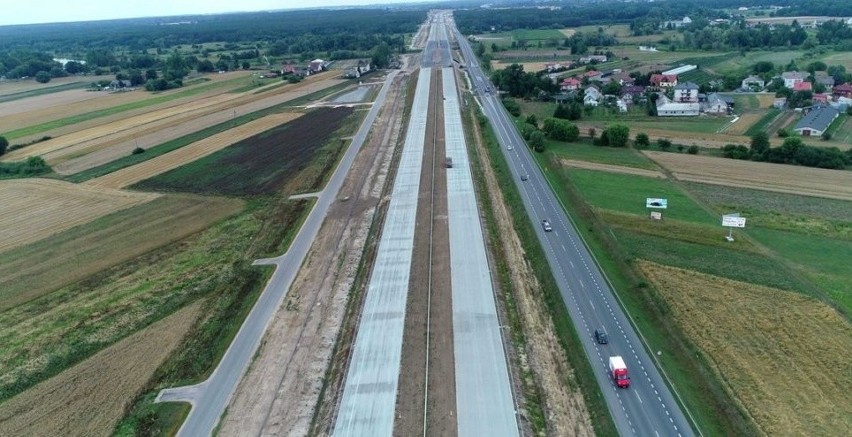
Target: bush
[(512, 106), (735, 151), (826, 136), (664, 144), (692, 150), (642, 141), (561, 130), (617, 135), (138, 150), (592, 133), (536, 141), (42, 77), (783, 133), (4, 143)]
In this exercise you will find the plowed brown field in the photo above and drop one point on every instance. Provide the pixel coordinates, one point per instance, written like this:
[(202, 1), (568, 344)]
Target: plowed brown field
[(835, 184), (36, 208), (780, 354), (187, 154), (90, 398)]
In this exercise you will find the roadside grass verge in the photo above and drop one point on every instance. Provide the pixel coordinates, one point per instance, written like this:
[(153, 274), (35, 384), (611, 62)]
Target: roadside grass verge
[(167, 97), (317, 95), (227, 303), (706, 398), (569, 339)]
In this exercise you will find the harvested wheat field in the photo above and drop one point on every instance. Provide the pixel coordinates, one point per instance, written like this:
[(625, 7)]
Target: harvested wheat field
[(766, 99), (131, 124), (90, 398), (84, 156), (43, 101), (835, 184), (38, 268), (611, 168), (782, 355), (187, 154), (37, 208), (743, 123)]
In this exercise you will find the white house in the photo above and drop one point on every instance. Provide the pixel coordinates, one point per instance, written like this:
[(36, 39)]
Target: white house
[(686, 92), (715, 104), (753, 82), (592, 96), (791, 78), (667, 108)]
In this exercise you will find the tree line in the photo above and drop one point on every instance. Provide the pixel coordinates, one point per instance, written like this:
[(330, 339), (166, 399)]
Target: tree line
[(792, 151)]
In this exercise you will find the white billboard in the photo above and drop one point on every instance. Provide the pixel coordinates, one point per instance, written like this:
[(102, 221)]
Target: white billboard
[(733, 221), (656, 203)]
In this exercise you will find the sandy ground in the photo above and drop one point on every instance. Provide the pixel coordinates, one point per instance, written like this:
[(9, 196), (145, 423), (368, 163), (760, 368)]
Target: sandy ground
[(835, 184), (19, 86), (565, 408), (174, 159), (43, 101), (611, 168), (279, 393), (429, 306), (90, 398), (568, 32), (777, 352), (37, 208)]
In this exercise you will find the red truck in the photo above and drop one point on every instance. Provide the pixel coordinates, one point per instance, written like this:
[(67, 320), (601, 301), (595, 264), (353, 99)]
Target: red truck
[(619, 372)]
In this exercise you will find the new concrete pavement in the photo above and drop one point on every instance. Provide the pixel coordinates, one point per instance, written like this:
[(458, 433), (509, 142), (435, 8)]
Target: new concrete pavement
[(648, 407), (210, 398)]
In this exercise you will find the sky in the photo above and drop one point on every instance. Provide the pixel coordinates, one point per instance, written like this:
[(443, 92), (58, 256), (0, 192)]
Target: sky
[(55, 11)]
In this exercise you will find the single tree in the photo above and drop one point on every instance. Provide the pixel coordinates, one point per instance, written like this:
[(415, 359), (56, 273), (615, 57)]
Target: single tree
[(618, 135), (664, 144), (4, 143), (759, 144), (692, 150), (42, 77), (536, 141)]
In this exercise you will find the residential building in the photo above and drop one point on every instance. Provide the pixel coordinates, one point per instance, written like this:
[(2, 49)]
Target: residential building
[(632, 91), (844, 90), (592, 58), (686, 92), (816, 121), (316, 65), (802, 86), (355, 71), (569, 84), (663, 80), (780, 103), (821, 98), (674, 24), (592, 96), (823, 78), (753, 83), (715, 104), (791, 78)]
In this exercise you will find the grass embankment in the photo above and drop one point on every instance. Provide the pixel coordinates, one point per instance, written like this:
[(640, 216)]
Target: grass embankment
[(764, 122), (570, 342), (231, 295), (167, 97), (706, 399)]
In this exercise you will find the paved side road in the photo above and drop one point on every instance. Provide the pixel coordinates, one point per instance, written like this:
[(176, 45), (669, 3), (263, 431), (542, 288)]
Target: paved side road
[(210, 398)]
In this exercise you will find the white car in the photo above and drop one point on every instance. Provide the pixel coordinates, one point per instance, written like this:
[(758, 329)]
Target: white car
[(510, 148), (546, 225)]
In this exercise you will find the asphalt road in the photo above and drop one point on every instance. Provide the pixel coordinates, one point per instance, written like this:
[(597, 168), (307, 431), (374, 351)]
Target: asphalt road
[(210, 398), (647, 407)]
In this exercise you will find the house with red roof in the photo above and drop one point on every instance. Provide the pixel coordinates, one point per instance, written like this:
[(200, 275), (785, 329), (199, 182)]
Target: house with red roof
[(663, 80), (569, 84), (844, 90), (803, 86)]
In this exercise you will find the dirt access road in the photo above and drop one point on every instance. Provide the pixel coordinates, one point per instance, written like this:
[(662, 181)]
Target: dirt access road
[(279, 393)]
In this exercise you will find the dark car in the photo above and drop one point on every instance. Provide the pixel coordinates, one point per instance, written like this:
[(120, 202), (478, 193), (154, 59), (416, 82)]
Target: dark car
[(601, 337), (546, 225), (525, 177)]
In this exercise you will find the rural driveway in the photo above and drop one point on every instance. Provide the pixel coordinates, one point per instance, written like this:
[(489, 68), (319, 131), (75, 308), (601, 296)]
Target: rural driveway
[(210, 398)]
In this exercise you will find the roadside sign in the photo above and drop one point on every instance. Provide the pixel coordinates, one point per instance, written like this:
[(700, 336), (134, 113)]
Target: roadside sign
[(656, 215), (652, 202), (733, 222)]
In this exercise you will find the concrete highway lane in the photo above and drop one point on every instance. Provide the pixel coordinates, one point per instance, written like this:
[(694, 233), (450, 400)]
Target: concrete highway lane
[(210, 398), (647, 407)]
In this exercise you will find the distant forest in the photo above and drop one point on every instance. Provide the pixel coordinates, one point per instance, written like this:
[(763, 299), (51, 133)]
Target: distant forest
[(572, 14), (323, 29)]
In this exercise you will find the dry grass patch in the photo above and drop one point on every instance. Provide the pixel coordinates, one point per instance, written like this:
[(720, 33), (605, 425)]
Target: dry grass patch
[(36, 269), (743, 123), (37, 208), (835, 184), (781, 354), (91, 397), (568, 32), (187, 154), (611, 168), (766, 100)]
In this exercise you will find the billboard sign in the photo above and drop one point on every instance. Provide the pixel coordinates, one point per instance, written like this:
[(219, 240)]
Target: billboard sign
[(730, 221), (656, 203)]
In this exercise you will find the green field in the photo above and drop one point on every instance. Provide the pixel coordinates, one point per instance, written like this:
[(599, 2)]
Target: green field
[(764, 122), (627, 193), (697, 76), (585, 151), (538, 35), (745, 102)]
